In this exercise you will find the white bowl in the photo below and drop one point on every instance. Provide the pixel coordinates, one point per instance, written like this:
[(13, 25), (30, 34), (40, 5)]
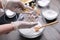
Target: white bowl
[(30, 32), (43, 3), (10, 14), (49, 14)]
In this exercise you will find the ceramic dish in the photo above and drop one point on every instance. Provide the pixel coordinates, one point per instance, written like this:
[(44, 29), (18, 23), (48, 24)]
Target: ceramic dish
[(10, 14), (43, 3), (49, 14), (30, 32)]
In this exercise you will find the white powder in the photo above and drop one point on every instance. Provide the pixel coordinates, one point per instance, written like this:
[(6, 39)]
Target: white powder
[(50, 14), (10, 14), (30, 31)]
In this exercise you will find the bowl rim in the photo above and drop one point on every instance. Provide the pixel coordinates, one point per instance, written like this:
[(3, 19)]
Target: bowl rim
[(49, 17), (40, 30)]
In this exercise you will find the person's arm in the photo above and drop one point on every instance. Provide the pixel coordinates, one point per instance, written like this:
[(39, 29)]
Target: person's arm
[(6, 28)]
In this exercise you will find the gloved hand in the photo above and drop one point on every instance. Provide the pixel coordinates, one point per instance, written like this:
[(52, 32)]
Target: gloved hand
[(15, 5), (23, 24)]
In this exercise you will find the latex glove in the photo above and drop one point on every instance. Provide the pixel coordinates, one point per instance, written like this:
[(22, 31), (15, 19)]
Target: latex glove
[(15, 5), (23, 24)]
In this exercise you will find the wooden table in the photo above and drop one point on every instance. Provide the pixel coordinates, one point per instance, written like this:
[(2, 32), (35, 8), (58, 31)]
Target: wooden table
[(50, 33)]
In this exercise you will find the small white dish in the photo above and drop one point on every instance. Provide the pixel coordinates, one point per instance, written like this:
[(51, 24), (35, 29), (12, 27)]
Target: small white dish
[(10, 14), (49, 14), (43, 3), (30, 32)]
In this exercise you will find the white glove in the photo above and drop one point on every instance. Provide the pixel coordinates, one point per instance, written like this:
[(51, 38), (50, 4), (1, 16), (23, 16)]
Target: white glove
[(23, 24)]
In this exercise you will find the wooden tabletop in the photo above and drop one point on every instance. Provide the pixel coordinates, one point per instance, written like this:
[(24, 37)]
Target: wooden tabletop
[(50, 33)]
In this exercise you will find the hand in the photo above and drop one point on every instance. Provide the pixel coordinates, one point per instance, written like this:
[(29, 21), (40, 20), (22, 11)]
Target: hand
[(23, 24), (15, 6)]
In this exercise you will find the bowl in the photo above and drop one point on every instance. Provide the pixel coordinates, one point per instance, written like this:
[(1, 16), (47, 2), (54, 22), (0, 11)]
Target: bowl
[(10, 14), (43, 3), (50, 14), (30, 32)]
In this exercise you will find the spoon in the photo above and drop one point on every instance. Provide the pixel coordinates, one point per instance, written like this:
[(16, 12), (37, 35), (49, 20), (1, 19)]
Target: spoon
[(45, 25)]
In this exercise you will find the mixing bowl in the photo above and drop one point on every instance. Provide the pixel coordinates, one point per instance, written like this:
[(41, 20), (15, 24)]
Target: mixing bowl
[(30, 32)]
